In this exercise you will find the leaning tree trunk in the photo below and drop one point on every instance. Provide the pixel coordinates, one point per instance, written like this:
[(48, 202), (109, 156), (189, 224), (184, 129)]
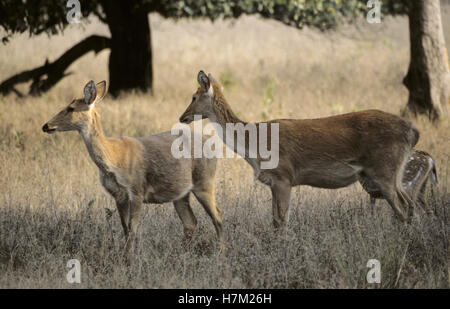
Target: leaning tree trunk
[(428, 78), (130, 61)]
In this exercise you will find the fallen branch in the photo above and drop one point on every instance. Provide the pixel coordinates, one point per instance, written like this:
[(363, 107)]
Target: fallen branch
[(48, 75)]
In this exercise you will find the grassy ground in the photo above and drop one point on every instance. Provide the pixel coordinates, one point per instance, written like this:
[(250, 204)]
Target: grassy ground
[(52, 206)]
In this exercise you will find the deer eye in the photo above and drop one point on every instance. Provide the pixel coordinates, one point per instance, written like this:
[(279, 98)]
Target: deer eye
[(70, 109)]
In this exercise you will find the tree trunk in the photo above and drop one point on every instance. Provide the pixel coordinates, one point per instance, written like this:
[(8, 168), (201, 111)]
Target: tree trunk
[(428, 78), (130, 61)]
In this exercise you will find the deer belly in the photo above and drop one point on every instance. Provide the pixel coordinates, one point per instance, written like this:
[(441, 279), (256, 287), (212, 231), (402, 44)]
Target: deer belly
[(165, 194), (329, 177)]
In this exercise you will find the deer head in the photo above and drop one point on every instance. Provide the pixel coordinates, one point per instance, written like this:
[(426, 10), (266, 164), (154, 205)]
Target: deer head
[(202, 100), (78, 114)]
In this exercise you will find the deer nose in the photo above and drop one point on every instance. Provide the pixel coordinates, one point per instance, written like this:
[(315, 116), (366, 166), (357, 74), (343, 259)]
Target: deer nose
[(45, 128)]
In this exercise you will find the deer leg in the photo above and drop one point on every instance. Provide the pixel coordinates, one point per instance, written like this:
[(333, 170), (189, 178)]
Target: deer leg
[(281, 194), (135, 210), (372, 205), (393, 199), (206, 197), (402, 195), (388, 177), (421, 199), (388, 187), (124, 213), (184, 211)]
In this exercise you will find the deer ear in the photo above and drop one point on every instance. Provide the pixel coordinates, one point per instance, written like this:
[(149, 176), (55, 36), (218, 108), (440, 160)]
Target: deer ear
[(90, 92), (101, 90), (203, 80), (211, 78)]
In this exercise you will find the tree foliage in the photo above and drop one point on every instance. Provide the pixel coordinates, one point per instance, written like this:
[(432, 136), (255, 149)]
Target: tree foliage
[(50, 15), (39, 16), (322, 14)]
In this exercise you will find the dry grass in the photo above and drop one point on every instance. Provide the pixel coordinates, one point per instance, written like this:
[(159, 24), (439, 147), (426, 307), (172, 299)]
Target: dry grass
[(52, 206)]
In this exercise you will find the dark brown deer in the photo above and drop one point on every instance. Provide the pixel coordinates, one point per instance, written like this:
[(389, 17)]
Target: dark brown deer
[(331, 152)]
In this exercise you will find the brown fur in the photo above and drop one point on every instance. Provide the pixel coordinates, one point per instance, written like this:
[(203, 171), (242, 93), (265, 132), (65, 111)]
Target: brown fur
[(331, 152), (141, 170)]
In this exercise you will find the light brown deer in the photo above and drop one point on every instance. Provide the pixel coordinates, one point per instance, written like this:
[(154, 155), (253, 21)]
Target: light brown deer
[(330, 152), (419, 170), (140, 170)]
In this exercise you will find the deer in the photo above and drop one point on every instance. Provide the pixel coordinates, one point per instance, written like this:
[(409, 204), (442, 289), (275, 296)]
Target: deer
[(140, 170), (419, 170), (330, 152)]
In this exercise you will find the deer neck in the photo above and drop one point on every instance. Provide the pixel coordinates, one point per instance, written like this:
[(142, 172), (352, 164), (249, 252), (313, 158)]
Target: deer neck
[(231, 127), (97, 143), (223, 113)]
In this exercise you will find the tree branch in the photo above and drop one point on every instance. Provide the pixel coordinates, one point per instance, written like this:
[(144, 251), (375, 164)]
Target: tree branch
[(54, 71), (100, 16)]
